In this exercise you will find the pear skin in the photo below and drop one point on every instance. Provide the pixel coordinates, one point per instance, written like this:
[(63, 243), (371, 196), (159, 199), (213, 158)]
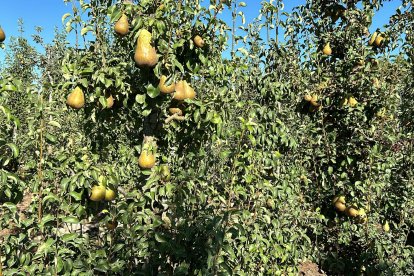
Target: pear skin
[(122, 26), (76, 98), (145, 53), (189, 91), (372, 39), (327, 49), (379, 40), (198, 41), (180, 94), (166, 89), (2, 35), (110, 101)]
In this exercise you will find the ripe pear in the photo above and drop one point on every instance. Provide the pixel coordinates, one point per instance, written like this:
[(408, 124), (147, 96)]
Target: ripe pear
[(189, 91), (2, 35), (339, 199), (146, 160), (352, 211), (327, 49), (379, 40), (175, 110), (110, 195), (122, 26), (76, 98), (166, 89), (352, 102), (340, 206), (98, 193), (198, 41), (145, 53), (183, 91), (307, 97), (372, 39), (179, 91), (110, 101), (386, 227)]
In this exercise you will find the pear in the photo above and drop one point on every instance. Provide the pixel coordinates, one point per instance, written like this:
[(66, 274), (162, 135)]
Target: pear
[(122, 26), (175, 110), (110, 101), (379, 40), (352, 102), (340, 206), (307, 97), (110, 194), (372, 39), (145, 54), (339, 198), (2, 35), (386, 227), (352, 211), (146, 160), (189, 91), (314, 100), (327, 49), (339, 203), (183, 91), (166, 89), (179, 91), (198, 41), (97, 193), (76, 98)]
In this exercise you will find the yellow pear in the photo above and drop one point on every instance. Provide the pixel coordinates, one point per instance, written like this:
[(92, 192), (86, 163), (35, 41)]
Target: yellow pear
[(352, 102), (175, 110), (146, 160), (110, 195), (307, 97), (180, 91), (372, 39), (110, 101), (98, 193), (76, 98), (122, 26), (378, 40), (198, 41), (145, 53), (189, 91), (352, 211), (327, 49), (166, 89), (2, 35), (386, 227), (339, 199)]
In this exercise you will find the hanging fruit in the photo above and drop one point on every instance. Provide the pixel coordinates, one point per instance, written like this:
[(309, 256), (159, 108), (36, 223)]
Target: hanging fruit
[(145, 53)]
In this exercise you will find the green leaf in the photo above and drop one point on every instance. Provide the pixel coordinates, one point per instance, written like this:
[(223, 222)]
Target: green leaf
[(152, 91), (69, 219)]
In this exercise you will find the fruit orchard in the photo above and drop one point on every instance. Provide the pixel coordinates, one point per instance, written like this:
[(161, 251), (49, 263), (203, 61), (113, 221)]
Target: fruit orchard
[(165, 140)]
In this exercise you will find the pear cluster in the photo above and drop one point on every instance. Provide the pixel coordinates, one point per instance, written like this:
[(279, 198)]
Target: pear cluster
[(351, 211)]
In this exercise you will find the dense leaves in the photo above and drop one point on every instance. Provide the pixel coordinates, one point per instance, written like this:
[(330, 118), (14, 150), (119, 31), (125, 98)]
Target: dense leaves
[(245, 177)]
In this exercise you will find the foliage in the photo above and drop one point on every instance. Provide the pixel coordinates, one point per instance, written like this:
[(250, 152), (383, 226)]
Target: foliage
[(254, 167)]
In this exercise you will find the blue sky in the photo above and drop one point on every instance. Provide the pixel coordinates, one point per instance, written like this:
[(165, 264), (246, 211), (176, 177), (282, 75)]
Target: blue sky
[(48, 13)]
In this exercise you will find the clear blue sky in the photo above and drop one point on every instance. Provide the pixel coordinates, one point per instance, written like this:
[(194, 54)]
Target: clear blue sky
[(48, 13)]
